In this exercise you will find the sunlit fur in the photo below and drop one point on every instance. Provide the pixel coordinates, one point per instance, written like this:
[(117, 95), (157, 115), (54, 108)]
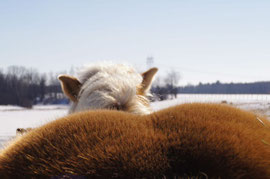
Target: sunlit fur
[(111, 86), (187, 140)]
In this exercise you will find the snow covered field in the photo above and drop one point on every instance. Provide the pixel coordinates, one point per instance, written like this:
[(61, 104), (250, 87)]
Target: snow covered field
[(257, 103), (13, 117)]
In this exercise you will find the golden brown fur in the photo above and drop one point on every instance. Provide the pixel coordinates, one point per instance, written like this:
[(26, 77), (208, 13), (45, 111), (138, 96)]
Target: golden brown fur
[(186, 140)]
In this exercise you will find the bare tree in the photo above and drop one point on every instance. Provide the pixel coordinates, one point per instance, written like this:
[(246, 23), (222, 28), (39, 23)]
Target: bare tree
[(54, 88), (171, 81), (42, 85), (158, 90)]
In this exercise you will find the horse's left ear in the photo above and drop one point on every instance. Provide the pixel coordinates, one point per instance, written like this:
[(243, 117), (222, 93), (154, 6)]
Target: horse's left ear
[(148, 77), (70, 86)]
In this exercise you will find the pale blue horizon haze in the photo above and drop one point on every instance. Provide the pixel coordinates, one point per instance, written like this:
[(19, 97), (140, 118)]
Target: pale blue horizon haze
[(204, 41)]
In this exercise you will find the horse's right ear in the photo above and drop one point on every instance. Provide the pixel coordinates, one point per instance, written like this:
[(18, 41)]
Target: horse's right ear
[(70, 86)]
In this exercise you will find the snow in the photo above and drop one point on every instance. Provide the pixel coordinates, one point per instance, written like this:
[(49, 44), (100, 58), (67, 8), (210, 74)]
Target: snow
[(13, 117), (10, 108), (21, 118)]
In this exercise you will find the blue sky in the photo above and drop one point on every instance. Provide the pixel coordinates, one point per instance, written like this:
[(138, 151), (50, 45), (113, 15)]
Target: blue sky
[(205, 40)]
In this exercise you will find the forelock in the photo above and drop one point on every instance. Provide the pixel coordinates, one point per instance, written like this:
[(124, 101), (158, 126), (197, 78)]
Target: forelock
[(104, 84), (110, 70)]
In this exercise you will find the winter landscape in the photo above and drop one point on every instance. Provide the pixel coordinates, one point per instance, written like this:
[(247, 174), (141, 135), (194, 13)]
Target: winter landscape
[(61, 57), (13, 117)]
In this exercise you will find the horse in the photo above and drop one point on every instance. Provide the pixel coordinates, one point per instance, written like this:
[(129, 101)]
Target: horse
[(109, 86), (184, 141)]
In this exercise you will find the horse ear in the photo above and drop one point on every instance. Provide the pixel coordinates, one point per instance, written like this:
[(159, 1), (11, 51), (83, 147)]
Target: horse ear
[(70, 86), (147, 79)]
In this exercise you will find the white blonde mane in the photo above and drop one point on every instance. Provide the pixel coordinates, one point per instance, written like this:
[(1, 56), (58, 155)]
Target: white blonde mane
[(110, 86)]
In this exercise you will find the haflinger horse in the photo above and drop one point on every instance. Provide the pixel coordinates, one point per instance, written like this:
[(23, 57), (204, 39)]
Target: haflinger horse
[(186, 141), (107, 86)]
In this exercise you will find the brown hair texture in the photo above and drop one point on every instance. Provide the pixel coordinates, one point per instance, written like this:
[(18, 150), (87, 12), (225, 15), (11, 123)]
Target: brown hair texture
[(185, 141)]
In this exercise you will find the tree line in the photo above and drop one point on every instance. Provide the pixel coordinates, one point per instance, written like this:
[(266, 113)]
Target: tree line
[(169, 89), (26, 86), (227, 88)]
